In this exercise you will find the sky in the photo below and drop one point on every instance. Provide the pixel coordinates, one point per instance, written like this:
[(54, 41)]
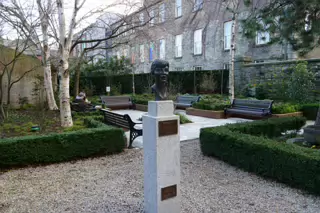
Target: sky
[(112, 6)]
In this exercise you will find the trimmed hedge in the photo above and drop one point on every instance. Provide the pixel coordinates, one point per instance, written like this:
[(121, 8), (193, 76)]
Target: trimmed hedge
[(310, 111), (98, 140), (245, 148)]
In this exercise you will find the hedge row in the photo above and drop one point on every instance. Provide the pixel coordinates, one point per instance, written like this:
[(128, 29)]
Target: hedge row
[(183, 81), (310, 111), (99, 139), (245, 148)]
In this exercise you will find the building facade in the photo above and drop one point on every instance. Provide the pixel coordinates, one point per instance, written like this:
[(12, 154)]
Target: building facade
[(190, 34)]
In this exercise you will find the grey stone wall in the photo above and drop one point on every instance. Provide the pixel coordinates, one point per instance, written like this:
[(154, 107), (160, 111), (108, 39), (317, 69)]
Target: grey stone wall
[(251, 73)]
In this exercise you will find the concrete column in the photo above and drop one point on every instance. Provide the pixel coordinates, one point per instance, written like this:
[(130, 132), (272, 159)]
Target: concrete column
[(161, 146)]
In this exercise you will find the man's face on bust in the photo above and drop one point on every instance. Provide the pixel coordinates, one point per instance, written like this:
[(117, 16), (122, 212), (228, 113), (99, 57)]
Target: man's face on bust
[(162, 75)]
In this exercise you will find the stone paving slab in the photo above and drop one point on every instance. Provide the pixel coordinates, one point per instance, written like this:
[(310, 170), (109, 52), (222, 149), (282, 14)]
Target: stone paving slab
[(187, 131)]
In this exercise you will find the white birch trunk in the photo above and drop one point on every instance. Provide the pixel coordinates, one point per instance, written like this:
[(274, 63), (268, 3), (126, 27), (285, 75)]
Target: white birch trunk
[(44, 18), (64, 46), (65, 110), (232, 54)]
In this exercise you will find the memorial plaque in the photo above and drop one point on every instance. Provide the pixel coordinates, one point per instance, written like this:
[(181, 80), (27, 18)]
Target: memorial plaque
[(168, 192), (168, 128)]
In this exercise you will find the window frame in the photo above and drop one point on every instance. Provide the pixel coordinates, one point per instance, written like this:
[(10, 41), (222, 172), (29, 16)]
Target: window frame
[(162, 13), (178, 8), (141, 51), (177, 55), (198, 5), (195, 41), (227, 40), (162, 51)]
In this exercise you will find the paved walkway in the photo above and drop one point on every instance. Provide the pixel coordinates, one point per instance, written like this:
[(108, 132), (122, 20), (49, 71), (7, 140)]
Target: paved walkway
[(187, 131)]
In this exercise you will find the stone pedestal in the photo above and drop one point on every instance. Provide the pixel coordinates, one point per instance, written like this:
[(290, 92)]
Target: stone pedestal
[(161, 149)]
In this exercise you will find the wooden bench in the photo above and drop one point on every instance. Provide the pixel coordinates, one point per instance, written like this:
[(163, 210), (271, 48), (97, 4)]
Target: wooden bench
[(81, 106), (251, 108), (123, 121), (185, 101), (117, 102)]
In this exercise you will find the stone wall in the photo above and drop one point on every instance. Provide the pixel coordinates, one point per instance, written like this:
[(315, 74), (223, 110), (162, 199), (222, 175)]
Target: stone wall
[(251, 73), (23, 89)]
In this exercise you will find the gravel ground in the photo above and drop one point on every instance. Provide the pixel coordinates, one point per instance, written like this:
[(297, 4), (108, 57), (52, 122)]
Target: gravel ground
[(115, 184)]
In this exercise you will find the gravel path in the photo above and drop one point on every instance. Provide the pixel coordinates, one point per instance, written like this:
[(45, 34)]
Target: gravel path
[(115, 184)]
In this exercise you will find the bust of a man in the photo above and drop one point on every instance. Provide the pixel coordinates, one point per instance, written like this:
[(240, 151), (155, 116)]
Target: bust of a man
[(160, 70)]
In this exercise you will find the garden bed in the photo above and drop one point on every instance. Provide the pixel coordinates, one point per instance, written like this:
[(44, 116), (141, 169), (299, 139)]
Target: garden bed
[(96, 139), (252, 147), (286, 115), (141, 107), (205, 113)]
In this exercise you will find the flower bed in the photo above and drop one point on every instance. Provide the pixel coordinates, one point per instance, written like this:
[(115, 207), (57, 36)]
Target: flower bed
[(250, 146), (205, 113)]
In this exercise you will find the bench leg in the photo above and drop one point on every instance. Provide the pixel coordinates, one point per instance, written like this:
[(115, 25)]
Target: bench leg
[(133, 135)]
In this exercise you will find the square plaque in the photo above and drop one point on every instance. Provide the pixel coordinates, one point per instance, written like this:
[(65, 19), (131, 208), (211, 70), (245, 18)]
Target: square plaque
[(168, 128), (168, 192)]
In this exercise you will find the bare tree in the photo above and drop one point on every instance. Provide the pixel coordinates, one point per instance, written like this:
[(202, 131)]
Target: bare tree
[(9, 74), (34, 25)]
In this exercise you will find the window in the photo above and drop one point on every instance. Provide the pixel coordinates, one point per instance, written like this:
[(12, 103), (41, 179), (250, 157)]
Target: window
[(258, 61), (152, 18), (141, 53), (197, 68), (178, 8), (132, 55), (141, 18), (198, 4), (118, 55), (162, 53), (227, 35), (178, 46), (162, 14), (125, 52), (151, 51), (263, 37), (197, 42), (226, 66)]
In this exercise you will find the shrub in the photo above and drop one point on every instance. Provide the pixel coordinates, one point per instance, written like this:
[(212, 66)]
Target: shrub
[(247, 149), (183, 119), (215, 102), (282, 108), (310, 111), (98, 140)]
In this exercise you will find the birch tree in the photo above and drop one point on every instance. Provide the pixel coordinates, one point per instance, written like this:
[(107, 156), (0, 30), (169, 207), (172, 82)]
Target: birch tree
[(34, 25)]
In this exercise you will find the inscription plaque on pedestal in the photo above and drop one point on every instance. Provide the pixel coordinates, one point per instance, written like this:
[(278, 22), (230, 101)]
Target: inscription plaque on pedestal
[(168, 192), (168, 128)]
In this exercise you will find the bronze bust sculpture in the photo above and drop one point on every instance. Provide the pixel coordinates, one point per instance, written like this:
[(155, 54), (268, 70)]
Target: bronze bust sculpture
[(160, 70)]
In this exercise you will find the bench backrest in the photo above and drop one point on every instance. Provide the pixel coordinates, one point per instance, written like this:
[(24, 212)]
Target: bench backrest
[(115, 99), (116, 119), (187, 99), (261, 104), (80, 106)]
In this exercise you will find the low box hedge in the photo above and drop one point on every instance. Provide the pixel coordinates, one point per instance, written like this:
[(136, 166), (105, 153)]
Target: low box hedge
[(244, 147), (99, 139), (310, 110)]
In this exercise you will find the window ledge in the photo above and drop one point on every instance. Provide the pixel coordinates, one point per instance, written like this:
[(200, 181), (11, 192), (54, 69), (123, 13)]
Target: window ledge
[(177, 17), (261, 45), (226, 50), (197, 54), (179, 57)]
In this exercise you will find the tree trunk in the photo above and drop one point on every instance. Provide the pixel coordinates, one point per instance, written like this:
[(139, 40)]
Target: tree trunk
[(232, 53), (77, 75), (49, 88), (65, 110)]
